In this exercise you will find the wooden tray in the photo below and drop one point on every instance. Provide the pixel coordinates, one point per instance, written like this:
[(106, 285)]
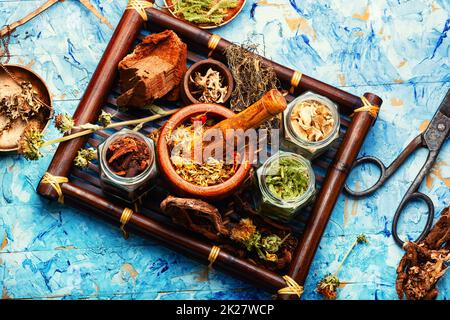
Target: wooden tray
[(83, 189)]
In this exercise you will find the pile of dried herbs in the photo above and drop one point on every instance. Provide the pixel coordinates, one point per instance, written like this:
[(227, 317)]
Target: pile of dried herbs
[(266, 247), (21, 105), (312, 120), (203, 11), (287, 178), (207, 173)]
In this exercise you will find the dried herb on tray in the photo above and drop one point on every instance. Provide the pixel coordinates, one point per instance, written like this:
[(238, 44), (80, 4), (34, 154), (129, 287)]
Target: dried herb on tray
[(203, 11), (128, 156), (425, 263), (266, 247), (32, 140), (287, 178), (209, 87), (264, 243), (84, 157)]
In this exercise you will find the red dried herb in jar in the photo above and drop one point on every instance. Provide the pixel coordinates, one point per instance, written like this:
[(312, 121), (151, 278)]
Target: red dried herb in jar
[(128, 156)]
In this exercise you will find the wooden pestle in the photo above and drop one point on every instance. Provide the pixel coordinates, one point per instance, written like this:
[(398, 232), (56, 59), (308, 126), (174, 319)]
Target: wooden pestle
[(270, 105)]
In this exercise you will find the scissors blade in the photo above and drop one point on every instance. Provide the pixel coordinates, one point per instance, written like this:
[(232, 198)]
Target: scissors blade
[(439, 128), (445, 105)]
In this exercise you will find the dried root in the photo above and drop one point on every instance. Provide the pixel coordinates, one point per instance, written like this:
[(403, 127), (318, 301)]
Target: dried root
[(195, 215), (425, 263), (247, 237)]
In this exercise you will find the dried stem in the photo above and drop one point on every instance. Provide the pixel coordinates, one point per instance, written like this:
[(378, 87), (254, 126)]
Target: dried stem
[(113, 125)]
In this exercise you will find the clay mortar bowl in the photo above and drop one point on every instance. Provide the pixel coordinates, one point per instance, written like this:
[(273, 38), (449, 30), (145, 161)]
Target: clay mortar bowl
[(202, 66), (167, 170)]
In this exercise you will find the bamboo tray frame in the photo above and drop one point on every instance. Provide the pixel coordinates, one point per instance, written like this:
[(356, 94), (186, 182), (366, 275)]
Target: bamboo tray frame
[(83, 192)]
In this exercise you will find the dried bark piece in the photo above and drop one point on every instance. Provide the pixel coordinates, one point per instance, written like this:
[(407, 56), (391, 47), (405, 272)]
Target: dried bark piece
[(195, 215), (424, 264), (153, 70)]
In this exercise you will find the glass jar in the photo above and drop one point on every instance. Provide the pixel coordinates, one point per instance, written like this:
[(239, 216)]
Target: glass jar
[(275, 207), (291, 141), (129, 189)]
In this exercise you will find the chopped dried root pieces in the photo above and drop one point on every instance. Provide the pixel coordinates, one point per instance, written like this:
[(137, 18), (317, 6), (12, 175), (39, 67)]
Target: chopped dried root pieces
[(312, 120), (425, 263), (209, 87)]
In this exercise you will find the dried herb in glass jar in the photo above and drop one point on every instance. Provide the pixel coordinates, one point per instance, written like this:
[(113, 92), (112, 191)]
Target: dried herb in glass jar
[(127, 165)]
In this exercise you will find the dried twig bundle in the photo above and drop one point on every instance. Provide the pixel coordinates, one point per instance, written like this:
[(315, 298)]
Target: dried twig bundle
[(252, 78)]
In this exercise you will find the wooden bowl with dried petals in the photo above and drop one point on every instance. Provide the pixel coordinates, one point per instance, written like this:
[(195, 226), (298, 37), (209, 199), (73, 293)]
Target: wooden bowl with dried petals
[(229, 16), (167, 168), (195, 78), (12, 129)]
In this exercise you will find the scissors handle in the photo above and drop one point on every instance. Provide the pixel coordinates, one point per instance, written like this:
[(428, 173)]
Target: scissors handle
[(378, 184), (430, 216), (385, 172)]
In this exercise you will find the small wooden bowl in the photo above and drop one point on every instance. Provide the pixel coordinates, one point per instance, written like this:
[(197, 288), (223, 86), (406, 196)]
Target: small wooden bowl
[(232, 13), (9, 139), (167, 170), (202, 67)]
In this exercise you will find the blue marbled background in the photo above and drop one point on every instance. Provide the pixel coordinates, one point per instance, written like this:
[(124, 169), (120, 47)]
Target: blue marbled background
[(397, 49)]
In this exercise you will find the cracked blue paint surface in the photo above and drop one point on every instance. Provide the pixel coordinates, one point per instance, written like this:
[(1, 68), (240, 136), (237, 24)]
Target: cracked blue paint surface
[(396, 49)]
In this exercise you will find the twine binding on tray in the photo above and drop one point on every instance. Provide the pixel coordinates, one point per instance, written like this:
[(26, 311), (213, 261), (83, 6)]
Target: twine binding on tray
[(213, 254), (292, 287), (212, 43), (367, 106), (124, 218), (54, 182), (295, 80), (139, 6)]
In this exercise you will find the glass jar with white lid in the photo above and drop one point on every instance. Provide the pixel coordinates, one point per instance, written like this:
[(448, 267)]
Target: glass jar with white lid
[(294, 137)]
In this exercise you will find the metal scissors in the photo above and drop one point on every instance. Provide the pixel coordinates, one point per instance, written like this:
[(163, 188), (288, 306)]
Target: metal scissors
[(433, 139)]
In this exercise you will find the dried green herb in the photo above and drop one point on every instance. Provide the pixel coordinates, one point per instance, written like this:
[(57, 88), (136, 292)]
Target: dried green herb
[(104, 118), (84, 157), (203, 11), (29, 144), (64, 122), (266, 247), (287, 178), (32, 139)]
